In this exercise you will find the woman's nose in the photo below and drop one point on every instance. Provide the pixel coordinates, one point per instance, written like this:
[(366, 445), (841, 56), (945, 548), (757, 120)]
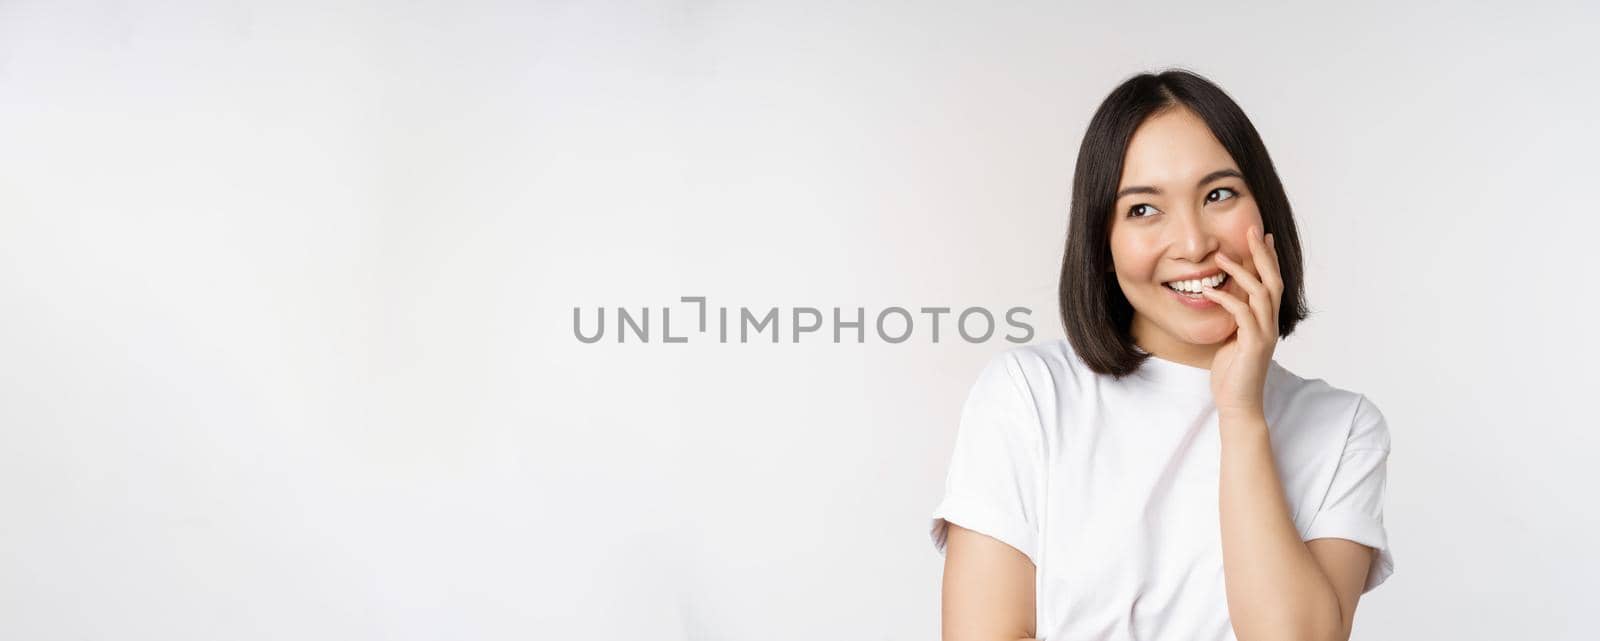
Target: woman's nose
[(1190, 237)]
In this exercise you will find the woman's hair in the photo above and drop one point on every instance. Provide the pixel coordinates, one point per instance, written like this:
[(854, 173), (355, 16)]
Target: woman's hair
[(1093, 310)]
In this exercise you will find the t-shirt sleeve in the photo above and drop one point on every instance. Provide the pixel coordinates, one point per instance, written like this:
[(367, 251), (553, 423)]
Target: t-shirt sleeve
[(995, 471), (1353, 507)]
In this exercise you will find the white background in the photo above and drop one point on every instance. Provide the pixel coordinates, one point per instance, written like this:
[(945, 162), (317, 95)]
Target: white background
[(286, 296)]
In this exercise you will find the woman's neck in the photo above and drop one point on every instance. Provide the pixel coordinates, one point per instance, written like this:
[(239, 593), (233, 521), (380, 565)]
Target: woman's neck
[(1160, 344)]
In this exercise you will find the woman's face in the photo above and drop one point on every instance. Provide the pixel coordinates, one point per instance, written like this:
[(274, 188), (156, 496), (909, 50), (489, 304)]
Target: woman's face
[(1180, 202)]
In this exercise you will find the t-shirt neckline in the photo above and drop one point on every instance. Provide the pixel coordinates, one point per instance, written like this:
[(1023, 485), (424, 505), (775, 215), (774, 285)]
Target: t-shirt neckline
[(1173, 373)]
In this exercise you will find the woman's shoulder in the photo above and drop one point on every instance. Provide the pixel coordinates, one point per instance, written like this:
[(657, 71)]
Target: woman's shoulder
[(1315, 400), (1285, 382), (1045, 369)]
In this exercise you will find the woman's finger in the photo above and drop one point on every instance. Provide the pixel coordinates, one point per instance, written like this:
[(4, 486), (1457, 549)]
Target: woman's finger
[(1260, 299), (1243, 316), (1266, 260)]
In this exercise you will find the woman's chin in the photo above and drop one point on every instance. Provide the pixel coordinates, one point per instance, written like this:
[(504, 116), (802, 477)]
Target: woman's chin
[(1211, 333)]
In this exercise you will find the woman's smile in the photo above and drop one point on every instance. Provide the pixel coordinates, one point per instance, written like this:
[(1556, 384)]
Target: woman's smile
[(1187, 290)]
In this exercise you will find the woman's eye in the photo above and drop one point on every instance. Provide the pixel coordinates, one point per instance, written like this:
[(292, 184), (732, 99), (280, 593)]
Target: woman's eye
[(1140, 211), (1214, 197)]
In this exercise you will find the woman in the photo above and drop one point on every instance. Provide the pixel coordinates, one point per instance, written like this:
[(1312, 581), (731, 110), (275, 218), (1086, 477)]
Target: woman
[(1157, 475)]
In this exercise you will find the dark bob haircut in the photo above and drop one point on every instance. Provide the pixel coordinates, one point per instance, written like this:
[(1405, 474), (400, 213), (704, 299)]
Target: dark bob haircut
[(1094, 311)]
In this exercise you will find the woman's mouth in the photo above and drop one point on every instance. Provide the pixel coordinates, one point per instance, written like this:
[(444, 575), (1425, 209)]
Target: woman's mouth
[(1191, 288)]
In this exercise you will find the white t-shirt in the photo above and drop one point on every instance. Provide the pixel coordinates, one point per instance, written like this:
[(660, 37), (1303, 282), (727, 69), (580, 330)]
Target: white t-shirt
[(1111, 487)]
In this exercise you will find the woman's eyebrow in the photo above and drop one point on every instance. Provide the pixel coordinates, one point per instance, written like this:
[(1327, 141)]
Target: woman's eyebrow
[(1215, 175)]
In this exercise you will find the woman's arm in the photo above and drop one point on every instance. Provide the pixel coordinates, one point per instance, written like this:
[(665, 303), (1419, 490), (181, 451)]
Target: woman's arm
[(1278, 586), (988, 589)]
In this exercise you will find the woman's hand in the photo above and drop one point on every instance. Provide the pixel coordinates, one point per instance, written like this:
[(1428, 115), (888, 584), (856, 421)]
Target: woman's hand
[(1239, 369)]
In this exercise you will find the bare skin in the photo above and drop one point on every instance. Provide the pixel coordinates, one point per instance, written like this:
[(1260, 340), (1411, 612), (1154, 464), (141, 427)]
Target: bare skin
[(988, 589), (1187, 214)]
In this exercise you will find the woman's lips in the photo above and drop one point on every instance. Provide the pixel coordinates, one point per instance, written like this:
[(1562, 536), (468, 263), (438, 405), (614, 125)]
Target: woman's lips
[(1197, 301)]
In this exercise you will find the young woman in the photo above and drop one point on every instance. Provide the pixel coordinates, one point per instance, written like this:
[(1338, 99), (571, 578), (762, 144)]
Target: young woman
[(1157, 475)]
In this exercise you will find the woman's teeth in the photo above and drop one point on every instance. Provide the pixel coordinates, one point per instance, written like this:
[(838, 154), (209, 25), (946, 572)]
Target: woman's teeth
[(1197, 285)]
